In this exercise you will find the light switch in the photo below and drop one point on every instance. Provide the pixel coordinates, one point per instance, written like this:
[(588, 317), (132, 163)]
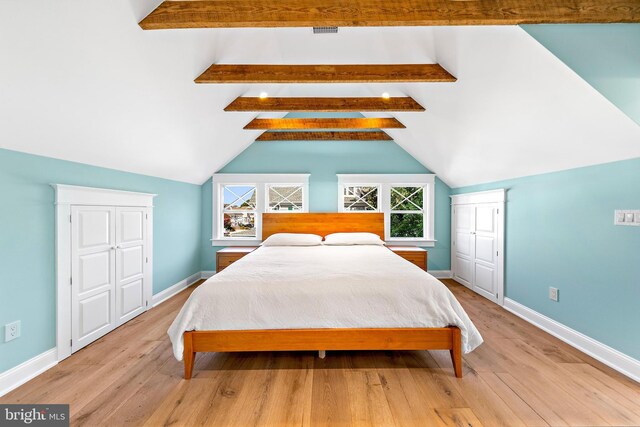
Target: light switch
[(627, 217)]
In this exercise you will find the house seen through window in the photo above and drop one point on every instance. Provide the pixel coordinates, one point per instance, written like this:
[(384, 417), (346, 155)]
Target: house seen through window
[(285, 198), (239, 200), (361, 198), (239, 211)]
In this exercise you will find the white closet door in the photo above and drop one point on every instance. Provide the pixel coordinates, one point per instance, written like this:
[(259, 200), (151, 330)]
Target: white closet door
[(130, 263), (477, 237), (485, 251), (93, 279), (463, 222)]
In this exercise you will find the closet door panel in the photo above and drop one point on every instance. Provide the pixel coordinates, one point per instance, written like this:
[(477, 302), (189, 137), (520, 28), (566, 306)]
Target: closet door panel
[(94, 271), (93, 274), (94, 228), (463, 246), (131, 262), (132, 295), (131, 225), (94, 314), (485, 280), (485, 262), (485, 249)]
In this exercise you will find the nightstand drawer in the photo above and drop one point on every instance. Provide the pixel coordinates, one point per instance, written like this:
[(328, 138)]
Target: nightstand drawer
[(419, 260), (417, 256), (226, 261), (227, 256)]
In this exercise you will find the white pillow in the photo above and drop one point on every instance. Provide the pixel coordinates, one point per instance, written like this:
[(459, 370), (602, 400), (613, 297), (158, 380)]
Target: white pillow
[(293, 239), (353, 239)]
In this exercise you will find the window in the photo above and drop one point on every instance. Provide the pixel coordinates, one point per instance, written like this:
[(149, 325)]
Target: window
[(239, 211), (240, 199), (285, 198), (360, 198), (406, 216), (407, 202)]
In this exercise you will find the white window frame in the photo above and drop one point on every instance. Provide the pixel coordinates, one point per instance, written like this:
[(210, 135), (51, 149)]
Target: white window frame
[(261, 182), (384, 182)]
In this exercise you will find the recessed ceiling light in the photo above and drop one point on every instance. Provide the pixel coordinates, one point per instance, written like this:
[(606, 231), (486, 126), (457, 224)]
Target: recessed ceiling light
[(385, 95), (264, 95)]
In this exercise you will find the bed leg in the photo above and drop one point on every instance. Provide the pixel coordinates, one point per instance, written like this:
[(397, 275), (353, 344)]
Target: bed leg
[(188, 355), (456, 351), (322, 354)]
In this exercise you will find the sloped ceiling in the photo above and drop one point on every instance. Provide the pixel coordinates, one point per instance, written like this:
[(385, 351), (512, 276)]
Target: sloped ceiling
[(607, 56), (81, 81)]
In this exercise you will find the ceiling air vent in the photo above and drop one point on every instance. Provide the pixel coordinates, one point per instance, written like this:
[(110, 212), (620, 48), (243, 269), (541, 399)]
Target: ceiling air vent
[(325, 30)]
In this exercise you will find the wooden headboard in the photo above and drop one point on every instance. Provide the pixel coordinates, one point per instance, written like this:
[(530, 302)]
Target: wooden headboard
[(322, 223)]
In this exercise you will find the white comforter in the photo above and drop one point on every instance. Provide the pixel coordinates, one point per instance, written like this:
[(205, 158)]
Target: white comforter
[(321, 287)]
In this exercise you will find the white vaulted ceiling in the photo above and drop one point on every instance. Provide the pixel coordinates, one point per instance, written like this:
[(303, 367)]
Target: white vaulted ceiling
[(79, 80)]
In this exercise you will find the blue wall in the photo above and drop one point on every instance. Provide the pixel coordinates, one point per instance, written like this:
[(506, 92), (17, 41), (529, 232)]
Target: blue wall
[(27, 239), (323, 160), (560, 232), (607, 56)]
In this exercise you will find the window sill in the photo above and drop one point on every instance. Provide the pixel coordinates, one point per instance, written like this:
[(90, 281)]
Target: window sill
[(424, 243), (235, 242)]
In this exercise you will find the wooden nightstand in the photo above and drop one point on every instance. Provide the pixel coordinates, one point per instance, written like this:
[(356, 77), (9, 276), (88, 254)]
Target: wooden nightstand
[(418, 256), (227, 256)]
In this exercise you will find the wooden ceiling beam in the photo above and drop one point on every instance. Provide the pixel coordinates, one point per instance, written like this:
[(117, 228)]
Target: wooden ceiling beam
[(362, 13), (343, 73), (324, 104), (328, 123), (324, 136)]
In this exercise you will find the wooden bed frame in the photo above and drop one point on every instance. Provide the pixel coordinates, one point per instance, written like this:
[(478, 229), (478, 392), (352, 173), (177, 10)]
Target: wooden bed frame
[(448, 338)]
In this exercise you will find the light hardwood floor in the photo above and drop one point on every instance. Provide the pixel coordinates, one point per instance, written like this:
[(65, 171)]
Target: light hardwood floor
[(520, 376)]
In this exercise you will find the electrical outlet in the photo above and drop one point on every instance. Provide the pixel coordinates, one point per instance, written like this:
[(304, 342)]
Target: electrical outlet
[(553, 294), (11, 331)]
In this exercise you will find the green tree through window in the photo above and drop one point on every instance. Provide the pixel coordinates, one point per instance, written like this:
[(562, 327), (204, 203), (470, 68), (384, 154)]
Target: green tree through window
[(407, 213)]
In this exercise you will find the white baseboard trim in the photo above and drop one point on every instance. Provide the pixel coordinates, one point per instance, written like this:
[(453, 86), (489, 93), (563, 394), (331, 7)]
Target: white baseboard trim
[(162, 296), (441, 274), (207, 274), (609, 356), (25, 371)]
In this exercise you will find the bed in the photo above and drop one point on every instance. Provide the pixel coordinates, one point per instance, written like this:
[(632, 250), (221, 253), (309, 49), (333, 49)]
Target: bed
[(322, 298)]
